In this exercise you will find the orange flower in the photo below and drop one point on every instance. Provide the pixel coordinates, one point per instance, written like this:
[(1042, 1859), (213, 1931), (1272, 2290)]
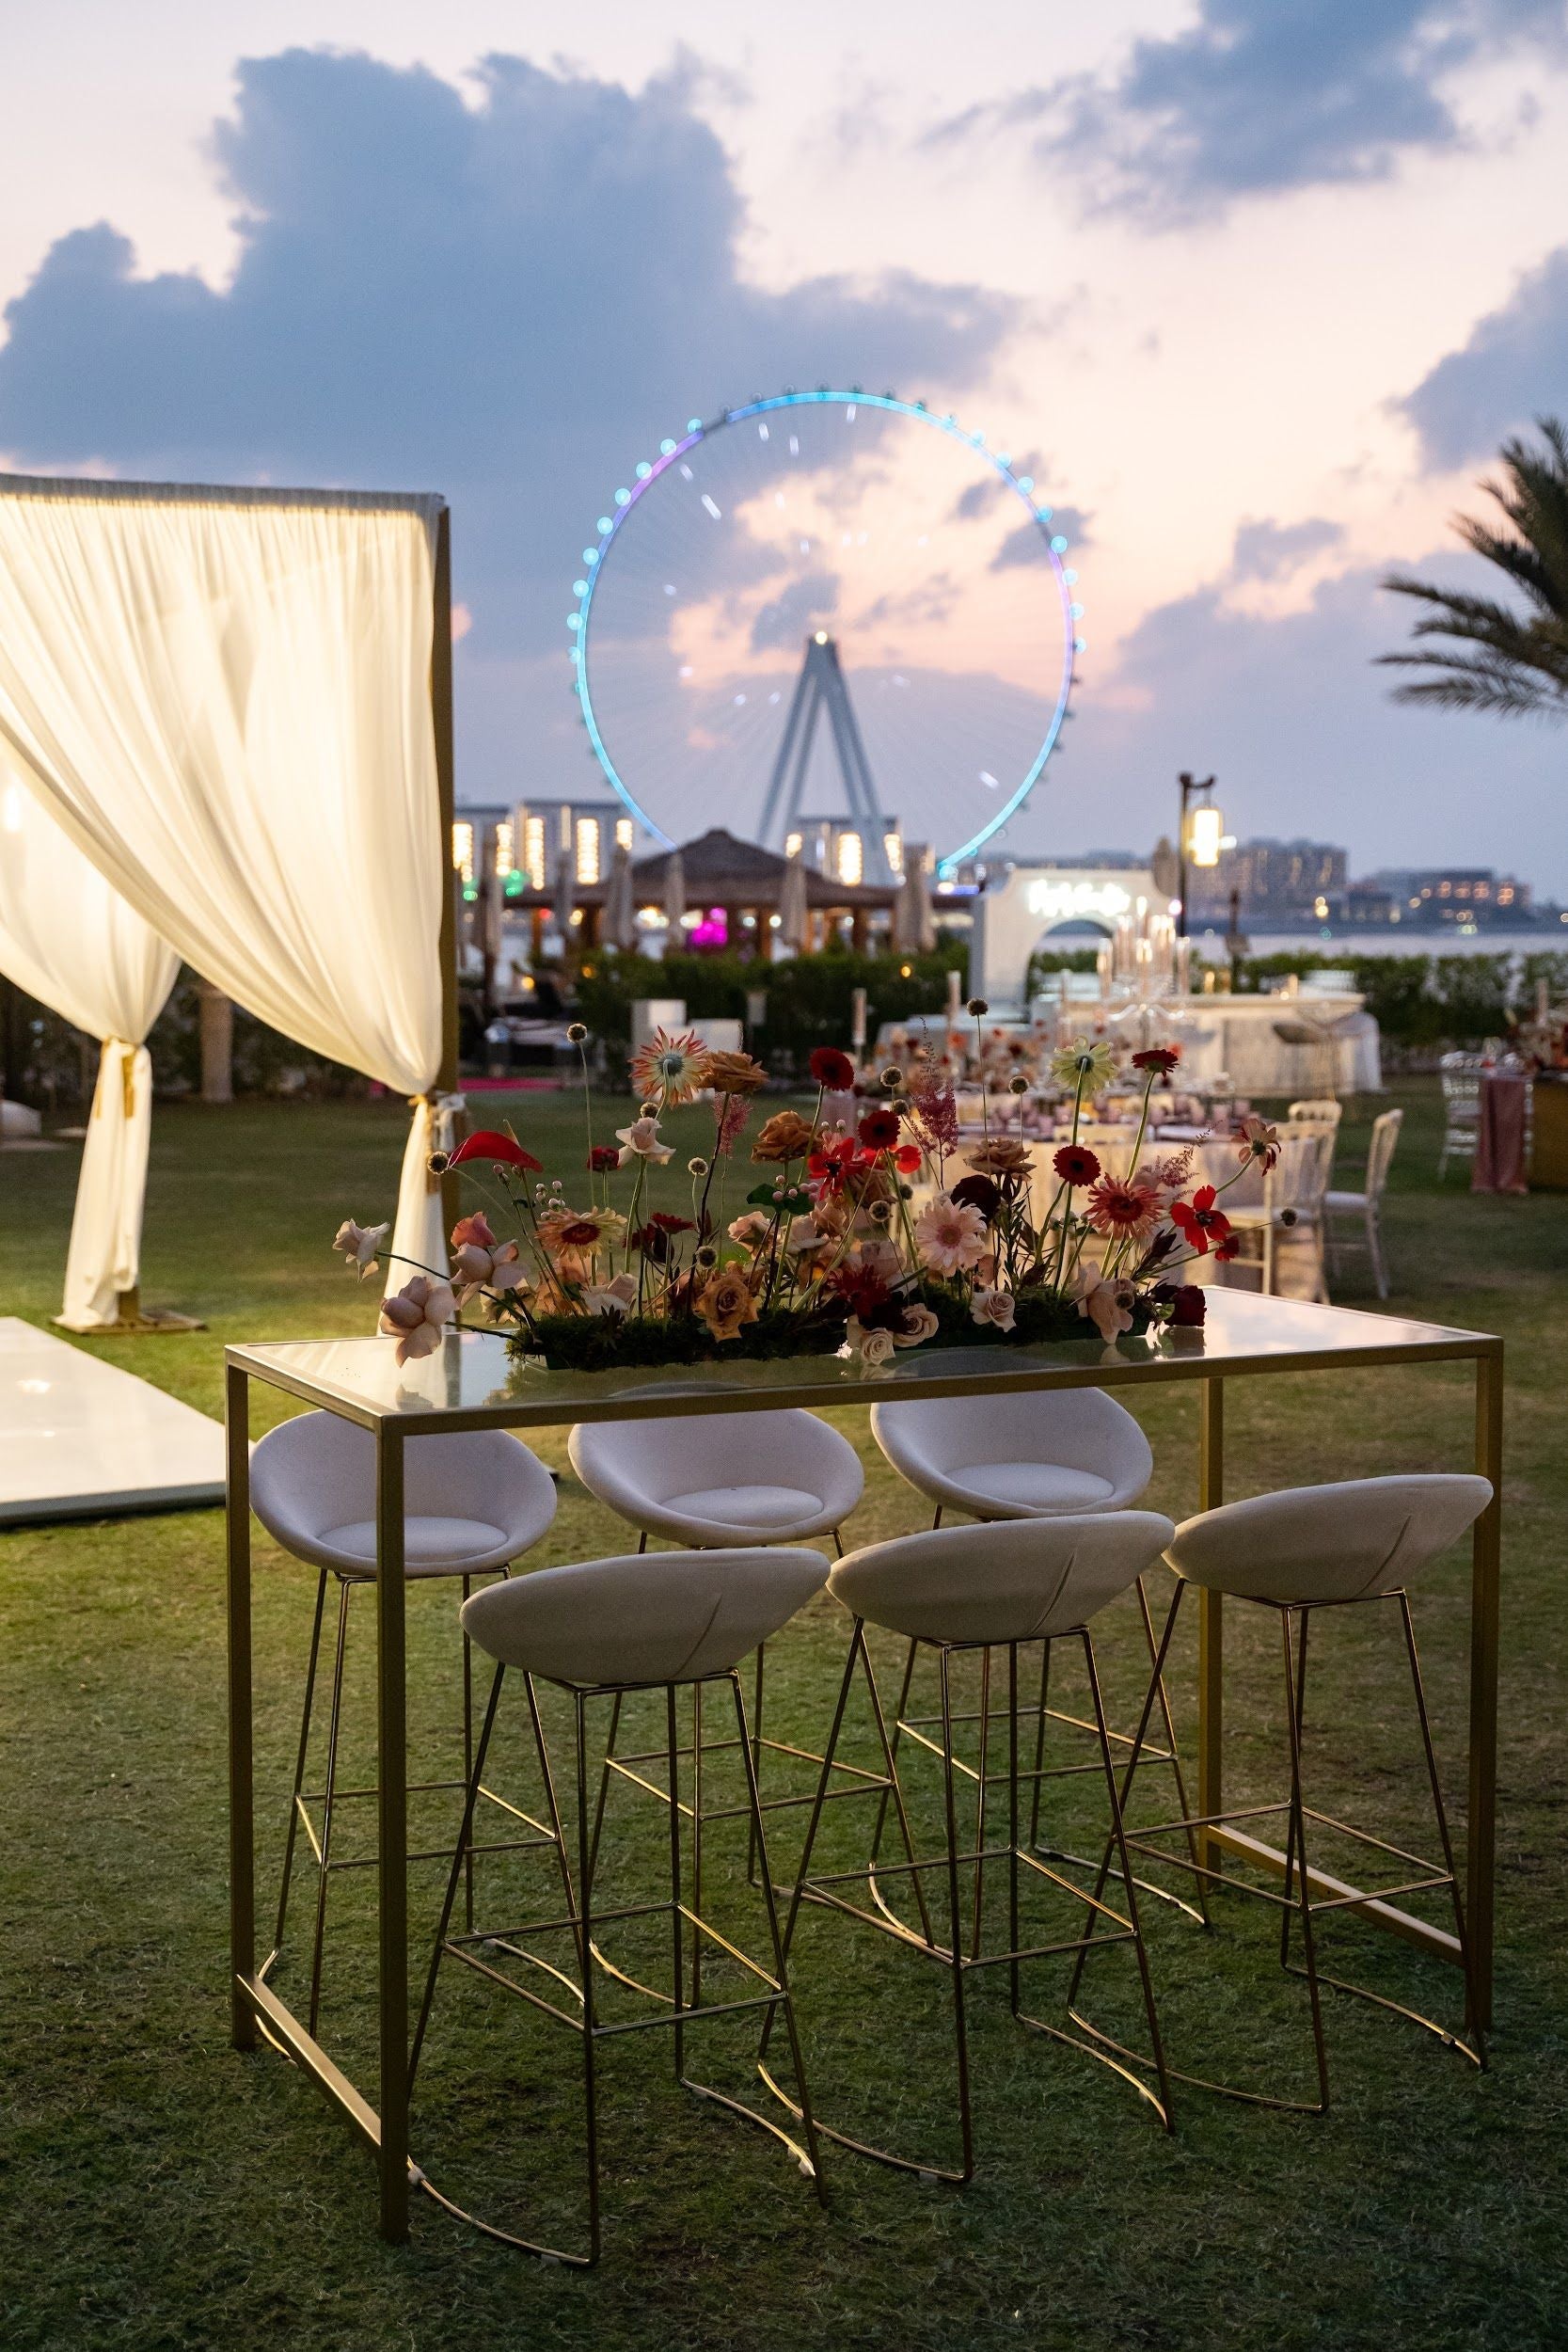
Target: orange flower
[(732, 1074), (726, 1302), (784, 1137)]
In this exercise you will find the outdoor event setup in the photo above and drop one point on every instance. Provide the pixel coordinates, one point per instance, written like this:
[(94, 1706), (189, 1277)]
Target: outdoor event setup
[(986, 1324), (226, 726)]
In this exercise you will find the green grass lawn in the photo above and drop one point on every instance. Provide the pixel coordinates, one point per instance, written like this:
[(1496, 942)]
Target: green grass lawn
[(162, 2190)]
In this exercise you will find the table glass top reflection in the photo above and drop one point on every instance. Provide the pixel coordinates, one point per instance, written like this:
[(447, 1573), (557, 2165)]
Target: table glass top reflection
[(473, 1374)]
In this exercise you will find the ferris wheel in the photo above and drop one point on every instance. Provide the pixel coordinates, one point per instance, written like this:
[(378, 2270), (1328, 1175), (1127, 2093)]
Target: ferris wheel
[(826, 608)]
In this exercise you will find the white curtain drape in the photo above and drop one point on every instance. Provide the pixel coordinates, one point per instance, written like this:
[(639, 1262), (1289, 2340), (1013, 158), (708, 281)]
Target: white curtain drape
[(68, 939), (224, 698)]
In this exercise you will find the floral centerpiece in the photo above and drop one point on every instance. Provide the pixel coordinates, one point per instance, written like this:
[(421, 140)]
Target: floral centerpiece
[(864, 1239)]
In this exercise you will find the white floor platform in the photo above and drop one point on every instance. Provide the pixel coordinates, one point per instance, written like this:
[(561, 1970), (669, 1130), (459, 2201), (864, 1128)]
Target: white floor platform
[(81, 1439)]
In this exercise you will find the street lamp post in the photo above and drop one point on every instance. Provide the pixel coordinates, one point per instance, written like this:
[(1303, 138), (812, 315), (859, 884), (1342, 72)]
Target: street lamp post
[(1197, 838)]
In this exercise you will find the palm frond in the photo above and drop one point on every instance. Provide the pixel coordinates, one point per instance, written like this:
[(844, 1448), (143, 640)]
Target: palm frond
[(1520, 665)]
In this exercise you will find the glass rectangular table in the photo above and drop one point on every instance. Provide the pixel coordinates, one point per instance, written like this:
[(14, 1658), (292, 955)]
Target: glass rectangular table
[(474, 1383)]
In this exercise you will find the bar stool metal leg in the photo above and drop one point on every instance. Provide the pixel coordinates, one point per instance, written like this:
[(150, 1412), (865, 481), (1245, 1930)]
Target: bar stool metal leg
[(300, 1760), (328, 1806), (474, 1948)]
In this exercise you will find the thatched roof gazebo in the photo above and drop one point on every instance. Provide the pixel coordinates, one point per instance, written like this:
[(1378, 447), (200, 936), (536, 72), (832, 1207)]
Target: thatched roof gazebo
[(738, 879)]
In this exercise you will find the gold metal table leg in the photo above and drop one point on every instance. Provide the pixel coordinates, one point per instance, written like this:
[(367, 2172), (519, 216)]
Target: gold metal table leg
[(1211, 1625), (392, 1782), (241, 1815), (1480, 1835)]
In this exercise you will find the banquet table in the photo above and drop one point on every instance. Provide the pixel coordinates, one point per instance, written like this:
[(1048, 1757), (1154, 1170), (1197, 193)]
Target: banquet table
[(1502, 1117), (472, 1382)]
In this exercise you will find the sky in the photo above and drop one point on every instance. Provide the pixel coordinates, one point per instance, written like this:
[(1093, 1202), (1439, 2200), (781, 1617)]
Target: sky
[(1252, 290)]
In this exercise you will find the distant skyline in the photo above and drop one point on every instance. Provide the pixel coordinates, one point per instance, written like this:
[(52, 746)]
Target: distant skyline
[(1261, 284)]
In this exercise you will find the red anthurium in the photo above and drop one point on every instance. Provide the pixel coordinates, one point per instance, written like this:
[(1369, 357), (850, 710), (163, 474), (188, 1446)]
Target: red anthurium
[(1198, 1221), (489, 1144)]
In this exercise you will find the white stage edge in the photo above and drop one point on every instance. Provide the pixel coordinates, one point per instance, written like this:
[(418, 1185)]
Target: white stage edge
[(81, 1439)]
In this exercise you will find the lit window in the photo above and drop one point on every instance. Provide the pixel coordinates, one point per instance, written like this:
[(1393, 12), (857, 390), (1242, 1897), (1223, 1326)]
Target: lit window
[(588, 849), (893, 848), (463, 850), (503, 849), (623, 833), (792, 843), (533, 851), (851, 857)]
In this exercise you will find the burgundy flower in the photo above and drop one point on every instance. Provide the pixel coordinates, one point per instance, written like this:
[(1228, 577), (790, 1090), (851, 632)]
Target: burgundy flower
[(1075, 1164), (977, 1192), (1162, 1059), (832, 1070), (1228, 1248), (878, 1130), (1188, 1304), (603, 1157)]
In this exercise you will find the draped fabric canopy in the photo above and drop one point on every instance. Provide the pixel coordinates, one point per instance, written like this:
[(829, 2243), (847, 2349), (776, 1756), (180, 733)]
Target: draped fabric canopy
[(72, 941), (224, 698)]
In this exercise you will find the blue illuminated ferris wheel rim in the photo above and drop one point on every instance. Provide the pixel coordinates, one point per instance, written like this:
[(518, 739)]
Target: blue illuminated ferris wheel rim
[(671, 452)]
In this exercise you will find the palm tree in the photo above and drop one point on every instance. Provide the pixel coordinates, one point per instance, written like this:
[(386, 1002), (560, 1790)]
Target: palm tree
[(1515, 663)]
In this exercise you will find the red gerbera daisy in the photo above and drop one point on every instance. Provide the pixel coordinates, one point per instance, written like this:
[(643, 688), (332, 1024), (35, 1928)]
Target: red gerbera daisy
[(1198, 1221), (878, 1130), (832, 1070), (1162, 1059), (1075, 1164)]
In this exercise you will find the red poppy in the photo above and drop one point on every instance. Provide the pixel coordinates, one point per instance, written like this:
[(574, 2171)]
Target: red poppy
[(490, 1145), (832, 1070), (1198, 1221), (1075, 1164), (603, 1157), (1162, 1059), (906, 1159), (1228, 1248), (878, 1130), (831, 1169)]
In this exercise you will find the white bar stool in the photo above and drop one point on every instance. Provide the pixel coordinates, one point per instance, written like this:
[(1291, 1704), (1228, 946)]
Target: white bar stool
[(1071, 1452), (785, 1478), (1304, 1550), (600, 1630), (472, 1503), (953, 1589)]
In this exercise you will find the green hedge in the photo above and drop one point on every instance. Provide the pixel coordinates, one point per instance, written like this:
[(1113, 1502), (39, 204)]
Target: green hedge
[(808, 998)]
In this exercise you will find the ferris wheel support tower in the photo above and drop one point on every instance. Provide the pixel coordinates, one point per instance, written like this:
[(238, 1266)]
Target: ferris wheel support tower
[(822, 686)]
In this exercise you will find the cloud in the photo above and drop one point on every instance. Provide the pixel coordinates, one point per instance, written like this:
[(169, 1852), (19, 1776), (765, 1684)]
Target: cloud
[(1270, 550), (1514, 366), (1025, 543), (1260, 96), (981, 496), (1298, 726), (784, 622), (509, 299)]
